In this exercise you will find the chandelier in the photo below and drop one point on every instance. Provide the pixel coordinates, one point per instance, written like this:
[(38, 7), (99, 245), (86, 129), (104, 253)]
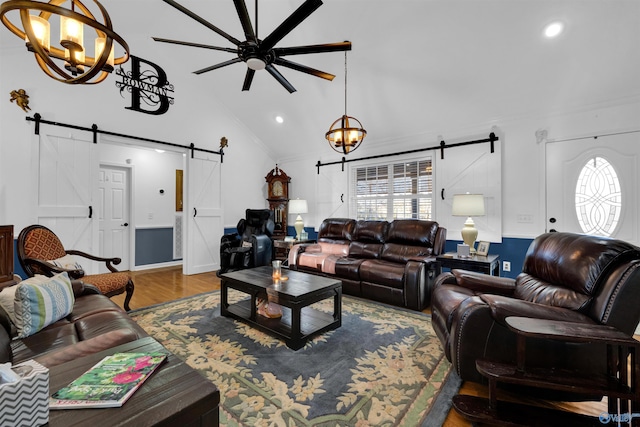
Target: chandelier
[(345, 134), (79, 67)]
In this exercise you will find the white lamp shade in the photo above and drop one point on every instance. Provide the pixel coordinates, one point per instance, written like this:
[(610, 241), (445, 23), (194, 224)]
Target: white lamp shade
[(468, 205), (298, 206)]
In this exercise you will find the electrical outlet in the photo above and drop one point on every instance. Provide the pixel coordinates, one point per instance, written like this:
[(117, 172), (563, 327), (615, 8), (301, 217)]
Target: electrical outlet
[(506, 266)]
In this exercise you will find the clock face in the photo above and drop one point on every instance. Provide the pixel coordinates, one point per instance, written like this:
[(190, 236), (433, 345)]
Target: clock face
[(277, 189)]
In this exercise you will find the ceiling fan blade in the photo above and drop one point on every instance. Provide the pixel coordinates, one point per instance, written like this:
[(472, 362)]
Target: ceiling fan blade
[(248, 78), (304, 69), (299, 15), (202, 21), (243, 14), (220, 65), (204, 46), (316, 48), (279, 77)]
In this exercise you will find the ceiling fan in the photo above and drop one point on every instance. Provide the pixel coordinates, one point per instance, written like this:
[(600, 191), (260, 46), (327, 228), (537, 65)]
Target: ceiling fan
[(262, 54)]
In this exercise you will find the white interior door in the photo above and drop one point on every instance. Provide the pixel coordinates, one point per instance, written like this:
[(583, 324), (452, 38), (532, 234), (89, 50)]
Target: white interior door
[(470, 169), (203, 213), (564, 163), (114, 214), (67, 168)]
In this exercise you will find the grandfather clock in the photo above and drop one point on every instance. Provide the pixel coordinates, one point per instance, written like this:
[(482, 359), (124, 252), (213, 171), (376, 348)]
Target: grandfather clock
[(278, 197)]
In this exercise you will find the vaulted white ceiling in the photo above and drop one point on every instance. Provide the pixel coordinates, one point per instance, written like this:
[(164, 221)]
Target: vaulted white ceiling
[(417, 66)]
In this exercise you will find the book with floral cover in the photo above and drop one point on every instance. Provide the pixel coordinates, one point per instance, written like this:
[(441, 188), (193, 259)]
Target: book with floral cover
[(109, 383)]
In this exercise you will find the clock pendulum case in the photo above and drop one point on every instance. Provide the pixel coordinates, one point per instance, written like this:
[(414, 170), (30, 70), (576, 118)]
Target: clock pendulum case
[(278, 198)]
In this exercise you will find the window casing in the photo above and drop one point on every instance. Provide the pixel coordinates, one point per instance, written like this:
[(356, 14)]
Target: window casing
[(397, 190)]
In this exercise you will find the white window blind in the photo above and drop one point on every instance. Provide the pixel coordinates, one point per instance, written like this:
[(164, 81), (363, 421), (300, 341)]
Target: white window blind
[(399, 190)]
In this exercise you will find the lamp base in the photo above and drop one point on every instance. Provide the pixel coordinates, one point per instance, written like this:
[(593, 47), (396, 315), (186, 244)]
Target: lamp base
[(299, 226), (469, 235)]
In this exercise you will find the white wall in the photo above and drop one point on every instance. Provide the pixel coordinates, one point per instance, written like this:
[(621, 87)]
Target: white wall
[(523, 181), (194, 118)]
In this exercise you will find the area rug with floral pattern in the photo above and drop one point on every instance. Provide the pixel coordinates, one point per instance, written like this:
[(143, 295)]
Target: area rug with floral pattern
[(383, 367)]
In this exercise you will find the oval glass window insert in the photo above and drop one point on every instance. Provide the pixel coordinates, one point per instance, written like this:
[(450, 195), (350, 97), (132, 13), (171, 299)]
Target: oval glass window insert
[(598, 198)]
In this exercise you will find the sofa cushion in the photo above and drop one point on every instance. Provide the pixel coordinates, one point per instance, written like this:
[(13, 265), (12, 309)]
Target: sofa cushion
[(55, 336), (348, 268), (578, 262), (337, 230), (367, 250), (383, 273), (40, 304), (403, 253), (371, 231), (532, 289), (413, 232)]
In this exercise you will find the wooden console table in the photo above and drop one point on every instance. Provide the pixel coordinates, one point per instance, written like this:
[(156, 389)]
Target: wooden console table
[(621, 383)]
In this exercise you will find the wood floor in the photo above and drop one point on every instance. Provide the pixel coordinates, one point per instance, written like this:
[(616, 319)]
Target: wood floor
[(168, 284)]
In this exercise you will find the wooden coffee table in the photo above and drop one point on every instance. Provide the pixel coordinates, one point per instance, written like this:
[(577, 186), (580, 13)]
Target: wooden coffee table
[(296, 294), (174, 395)]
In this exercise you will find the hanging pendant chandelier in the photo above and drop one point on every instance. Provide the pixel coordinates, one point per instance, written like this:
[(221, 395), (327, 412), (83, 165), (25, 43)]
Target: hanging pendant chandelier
[(345, 134), (78, 67)]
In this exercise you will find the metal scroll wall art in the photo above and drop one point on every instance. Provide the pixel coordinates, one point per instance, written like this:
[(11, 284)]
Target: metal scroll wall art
[(149, 88)]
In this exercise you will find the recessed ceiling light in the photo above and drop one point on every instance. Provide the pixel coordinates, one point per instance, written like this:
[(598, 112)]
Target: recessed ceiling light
[(279, 119), (553, 30)]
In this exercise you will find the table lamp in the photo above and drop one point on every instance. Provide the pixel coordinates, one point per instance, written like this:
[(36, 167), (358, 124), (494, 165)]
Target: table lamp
[(298, 206), (468, 205)]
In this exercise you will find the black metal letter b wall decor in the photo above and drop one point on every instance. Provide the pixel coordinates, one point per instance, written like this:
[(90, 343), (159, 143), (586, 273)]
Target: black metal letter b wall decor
[(149, 88)]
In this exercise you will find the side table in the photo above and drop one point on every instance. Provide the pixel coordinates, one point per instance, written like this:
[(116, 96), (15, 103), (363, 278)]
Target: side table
[(489, 264)]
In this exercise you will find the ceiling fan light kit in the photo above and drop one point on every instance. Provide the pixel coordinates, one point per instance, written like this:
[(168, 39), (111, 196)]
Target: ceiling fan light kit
[(80, 68), (260, 54)]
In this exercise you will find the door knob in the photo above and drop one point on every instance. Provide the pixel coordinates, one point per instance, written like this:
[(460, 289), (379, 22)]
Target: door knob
[(126, 224)]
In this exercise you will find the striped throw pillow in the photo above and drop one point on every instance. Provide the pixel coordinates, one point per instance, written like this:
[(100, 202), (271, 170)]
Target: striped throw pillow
[(38, 305)]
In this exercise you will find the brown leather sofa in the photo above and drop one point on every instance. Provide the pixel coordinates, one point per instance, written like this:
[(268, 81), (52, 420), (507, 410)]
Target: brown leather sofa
[(392, 262), (566, 278), (95, 324)]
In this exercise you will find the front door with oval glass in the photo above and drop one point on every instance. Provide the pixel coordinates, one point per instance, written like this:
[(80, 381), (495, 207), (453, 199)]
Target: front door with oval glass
[(592, 186)]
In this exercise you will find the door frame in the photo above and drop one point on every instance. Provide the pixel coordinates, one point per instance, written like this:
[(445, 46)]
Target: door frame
[(129, 169)]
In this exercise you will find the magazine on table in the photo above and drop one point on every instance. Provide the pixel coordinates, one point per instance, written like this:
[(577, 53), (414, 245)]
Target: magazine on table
[(109, 383)]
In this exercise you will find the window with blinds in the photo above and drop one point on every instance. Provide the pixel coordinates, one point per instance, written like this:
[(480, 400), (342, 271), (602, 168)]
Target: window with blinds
[(401, 190)]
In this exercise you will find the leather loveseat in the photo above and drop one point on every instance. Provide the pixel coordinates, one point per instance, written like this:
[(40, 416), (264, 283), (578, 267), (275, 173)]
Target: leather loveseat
[(96, 323), (392, 262), (588, 280)]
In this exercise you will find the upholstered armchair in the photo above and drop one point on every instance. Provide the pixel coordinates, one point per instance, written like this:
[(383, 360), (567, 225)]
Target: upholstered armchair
[(40, 251), (251, 246), (566, 277)]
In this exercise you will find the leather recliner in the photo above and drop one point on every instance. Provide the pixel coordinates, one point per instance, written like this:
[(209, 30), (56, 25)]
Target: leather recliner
[(251, 245), (566, 277)]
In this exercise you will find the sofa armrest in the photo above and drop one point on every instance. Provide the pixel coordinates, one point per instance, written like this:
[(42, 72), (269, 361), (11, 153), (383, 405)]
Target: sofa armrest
[(297, 249), (503, 307), (419, 279), (483, 283)]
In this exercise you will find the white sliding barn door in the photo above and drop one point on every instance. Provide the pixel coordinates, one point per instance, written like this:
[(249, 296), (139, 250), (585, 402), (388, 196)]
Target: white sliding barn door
[(470, 169), (67, 168), (203, 213)]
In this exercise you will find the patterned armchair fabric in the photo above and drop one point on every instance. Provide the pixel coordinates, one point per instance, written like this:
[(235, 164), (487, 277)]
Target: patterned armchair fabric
[(39, 248)]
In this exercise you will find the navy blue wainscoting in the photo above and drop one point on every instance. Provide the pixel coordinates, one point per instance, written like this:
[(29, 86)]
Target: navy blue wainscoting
[(154, 245), (511, 249)]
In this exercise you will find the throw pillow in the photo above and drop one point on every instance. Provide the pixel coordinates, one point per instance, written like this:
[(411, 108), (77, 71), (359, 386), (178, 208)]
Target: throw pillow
[(38, 305), (8, 295), (67, 262)]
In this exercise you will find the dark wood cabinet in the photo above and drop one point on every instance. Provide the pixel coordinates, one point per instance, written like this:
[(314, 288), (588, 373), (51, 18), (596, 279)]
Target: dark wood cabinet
[(6, 255)]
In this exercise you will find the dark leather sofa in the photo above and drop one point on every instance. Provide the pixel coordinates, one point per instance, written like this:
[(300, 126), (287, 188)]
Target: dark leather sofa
[(392, 262), (95, 324), (588, 280)]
